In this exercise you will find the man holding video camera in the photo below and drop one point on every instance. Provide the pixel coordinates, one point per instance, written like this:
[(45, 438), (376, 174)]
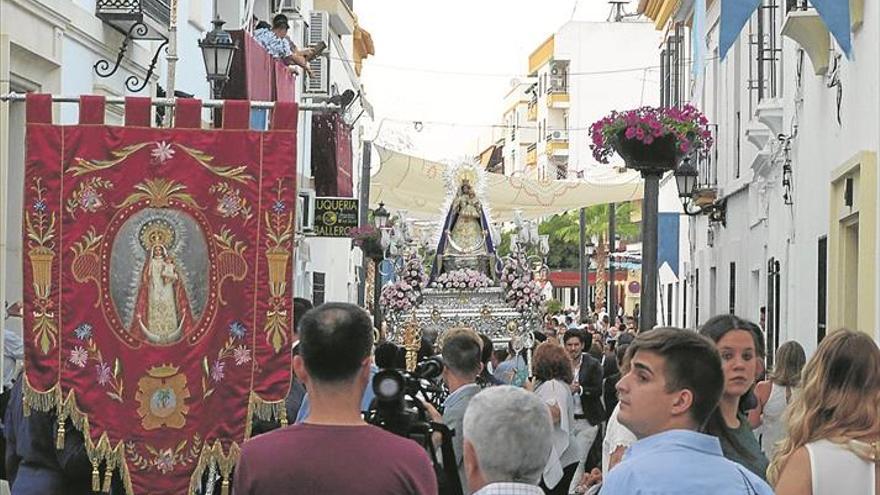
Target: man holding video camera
[(461, 351), (334, 450)]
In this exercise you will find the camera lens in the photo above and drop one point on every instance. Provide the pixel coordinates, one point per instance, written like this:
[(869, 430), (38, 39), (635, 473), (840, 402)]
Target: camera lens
[(388, 387)]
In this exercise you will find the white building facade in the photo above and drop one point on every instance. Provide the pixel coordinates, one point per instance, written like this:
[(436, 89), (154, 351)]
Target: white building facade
[(798, 130)]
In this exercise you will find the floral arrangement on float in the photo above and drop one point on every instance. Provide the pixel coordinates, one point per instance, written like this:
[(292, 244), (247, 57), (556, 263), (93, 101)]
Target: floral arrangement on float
[(406, 292), (462, 279), (650, 135), (521, 290)]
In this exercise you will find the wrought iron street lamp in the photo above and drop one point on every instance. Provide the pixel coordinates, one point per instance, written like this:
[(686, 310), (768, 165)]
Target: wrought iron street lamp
[(686, 176), (217, 51), (380, 221), (381, 216), (687, 179), (217, 48)]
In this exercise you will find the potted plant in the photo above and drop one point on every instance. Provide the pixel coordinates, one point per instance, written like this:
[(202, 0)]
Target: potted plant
[(651, 139)]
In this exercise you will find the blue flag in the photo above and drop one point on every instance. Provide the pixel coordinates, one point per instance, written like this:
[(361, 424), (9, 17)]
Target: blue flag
[(835, 13), (734, 14)]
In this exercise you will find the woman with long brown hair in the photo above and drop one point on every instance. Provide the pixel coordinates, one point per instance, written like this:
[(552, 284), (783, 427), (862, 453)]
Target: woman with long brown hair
[(738, 344), (775, 393), (833, 443), (552, 368)]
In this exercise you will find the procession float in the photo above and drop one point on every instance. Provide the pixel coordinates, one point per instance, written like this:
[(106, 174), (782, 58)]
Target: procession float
[(464, 282)]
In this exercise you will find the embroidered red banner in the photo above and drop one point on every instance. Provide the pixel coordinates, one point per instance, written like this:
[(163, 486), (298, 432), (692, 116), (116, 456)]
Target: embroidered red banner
[(157, 291)]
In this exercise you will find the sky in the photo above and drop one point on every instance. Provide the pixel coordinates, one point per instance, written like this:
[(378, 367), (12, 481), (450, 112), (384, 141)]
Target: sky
[(448, 64)]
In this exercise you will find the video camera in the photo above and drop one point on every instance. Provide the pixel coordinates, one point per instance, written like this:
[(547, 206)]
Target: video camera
[(398, 409)]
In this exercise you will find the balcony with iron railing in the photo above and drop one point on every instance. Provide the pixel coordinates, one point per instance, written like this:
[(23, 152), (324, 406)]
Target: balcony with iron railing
[(557, 143), (532, 155), (561, 170), (697, 180), (255, 75), (706, 190), (804, 25), (137, 19)]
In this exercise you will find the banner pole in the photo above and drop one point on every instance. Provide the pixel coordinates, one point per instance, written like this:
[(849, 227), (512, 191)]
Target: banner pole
[(170, 102), (171, 57)]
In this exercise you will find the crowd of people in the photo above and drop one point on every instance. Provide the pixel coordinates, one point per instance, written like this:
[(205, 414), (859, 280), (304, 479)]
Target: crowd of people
[(600, 408), (589, 410)]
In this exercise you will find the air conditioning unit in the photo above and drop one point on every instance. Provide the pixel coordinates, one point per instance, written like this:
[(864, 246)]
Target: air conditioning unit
[(305, 219), (555, 70), (288, 7), (318, 31), (557, 134)]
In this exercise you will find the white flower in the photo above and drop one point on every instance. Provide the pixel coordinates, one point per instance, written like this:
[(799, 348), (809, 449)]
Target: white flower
[(162, 152)]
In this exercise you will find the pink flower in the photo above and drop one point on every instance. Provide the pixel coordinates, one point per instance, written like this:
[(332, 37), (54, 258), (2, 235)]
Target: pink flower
[(648, 139), (242, 355), (79, 357), (217, 371), (630, 132), (103, 372)]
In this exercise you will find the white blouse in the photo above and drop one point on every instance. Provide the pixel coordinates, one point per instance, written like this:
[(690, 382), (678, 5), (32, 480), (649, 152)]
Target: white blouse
[(563, 452)]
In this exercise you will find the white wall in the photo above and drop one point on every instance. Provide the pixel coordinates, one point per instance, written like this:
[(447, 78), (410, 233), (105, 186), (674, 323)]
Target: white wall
[(628, 45), (760, 225)]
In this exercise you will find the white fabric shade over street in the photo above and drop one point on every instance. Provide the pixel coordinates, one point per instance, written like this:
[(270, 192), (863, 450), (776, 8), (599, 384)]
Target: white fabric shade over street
[(417, 185)]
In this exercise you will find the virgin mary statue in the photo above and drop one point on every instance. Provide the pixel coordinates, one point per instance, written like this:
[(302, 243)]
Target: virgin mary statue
[(162, 313), (465, 241)]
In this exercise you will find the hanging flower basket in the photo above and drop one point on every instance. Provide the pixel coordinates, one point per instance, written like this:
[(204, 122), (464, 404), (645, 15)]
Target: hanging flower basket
[(661, 154), (651, 139), (368, 238)]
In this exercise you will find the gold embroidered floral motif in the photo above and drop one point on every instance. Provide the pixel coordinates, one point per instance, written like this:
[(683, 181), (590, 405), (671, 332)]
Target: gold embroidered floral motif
[(161, 153), (40, 227), (164, 460), (87, 196), (279, 233), (230, 203), (86, 264), (159, 193), (230, 260)]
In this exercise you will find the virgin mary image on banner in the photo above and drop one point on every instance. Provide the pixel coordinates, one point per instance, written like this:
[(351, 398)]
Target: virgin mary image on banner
[(161, 312)]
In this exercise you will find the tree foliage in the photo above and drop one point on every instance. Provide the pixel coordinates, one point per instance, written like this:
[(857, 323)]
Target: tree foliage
[(564, 232)]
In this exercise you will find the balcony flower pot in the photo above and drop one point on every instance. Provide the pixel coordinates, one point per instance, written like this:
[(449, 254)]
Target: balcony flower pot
[(705, 197)]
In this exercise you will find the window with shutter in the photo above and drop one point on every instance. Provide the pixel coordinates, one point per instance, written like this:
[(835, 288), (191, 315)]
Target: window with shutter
[(318, 31)]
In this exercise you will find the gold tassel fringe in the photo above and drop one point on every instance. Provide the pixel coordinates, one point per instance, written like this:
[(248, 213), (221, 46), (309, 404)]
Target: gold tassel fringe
[(96, 478), (59, 437), (108, 479), (102, 450)]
